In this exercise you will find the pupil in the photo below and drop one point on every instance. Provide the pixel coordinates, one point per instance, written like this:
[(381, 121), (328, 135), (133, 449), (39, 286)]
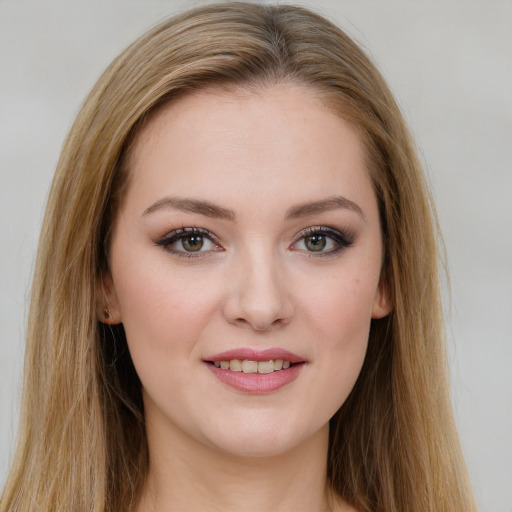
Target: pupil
[(192, 243), (315, 242)]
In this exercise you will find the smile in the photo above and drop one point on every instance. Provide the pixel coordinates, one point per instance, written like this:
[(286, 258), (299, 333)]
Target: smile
[(256, 371), (248, 366)]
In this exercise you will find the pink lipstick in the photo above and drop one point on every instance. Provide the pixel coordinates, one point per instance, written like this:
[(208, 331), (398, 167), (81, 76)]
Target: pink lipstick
[(256, 371)]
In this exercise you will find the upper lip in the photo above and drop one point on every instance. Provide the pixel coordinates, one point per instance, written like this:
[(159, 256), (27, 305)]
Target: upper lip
[(252, 354)]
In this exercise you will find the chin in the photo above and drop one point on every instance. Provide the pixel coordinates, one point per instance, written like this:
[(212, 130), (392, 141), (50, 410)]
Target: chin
[(254, 448), (261, 439)]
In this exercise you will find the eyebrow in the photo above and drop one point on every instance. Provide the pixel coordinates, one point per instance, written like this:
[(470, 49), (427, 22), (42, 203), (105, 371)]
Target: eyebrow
[(325, 205), (192, 206), (209, 209)]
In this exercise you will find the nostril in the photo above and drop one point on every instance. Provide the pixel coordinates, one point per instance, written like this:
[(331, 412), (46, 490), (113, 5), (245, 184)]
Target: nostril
[(261, 325), (258, 297)]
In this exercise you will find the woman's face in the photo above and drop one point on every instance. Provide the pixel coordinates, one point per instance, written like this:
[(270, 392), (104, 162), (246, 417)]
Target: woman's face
[(249, 239)]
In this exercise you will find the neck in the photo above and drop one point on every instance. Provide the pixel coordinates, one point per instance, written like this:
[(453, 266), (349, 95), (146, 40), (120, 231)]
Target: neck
[(186, 475)]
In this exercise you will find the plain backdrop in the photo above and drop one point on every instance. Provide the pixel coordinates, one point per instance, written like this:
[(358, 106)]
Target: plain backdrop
[(449, 63)]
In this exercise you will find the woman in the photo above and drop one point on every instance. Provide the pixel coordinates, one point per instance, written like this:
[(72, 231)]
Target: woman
[(236, 299)]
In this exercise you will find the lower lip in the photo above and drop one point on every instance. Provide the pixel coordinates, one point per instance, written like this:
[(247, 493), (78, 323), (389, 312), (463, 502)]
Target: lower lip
[(257, 383)]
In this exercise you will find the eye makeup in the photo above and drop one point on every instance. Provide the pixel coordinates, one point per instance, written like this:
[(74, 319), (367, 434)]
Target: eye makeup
[(322, 241), (189, 242), (316, 241)]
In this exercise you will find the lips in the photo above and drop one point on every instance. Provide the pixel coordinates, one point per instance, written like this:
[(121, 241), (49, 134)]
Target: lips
[(256, 371)]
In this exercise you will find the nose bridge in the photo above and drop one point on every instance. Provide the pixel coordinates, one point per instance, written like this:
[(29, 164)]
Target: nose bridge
[(259, 295)]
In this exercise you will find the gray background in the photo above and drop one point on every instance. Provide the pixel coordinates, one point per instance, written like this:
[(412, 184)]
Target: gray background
[(450, 66)]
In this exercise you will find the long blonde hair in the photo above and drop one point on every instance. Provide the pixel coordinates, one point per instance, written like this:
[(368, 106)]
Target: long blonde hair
[(82, 444)]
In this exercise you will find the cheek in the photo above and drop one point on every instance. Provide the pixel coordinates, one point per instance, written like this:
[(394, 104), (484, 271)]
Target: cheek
[(162, 308), (340, 307), (345, 323), (165, 312), (338, 314)]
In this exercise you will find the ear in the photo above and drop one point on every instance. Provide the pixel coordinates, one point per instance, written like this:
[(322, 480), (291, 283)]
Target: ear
[(107, 304), (382, 305)]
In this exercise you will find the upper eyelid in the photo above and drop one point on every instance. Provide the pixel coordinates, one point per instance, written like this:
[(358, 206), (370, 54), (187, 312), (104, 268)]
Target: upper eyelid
[(342, 238), (315, 229), (175, 234), (326, 230), (341, 235), (184, 231)]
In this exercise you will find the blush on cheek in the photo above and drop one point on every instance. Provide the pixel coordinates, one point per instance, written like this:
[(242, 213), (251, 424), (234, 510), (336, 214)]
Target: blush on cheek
[(343, 307)]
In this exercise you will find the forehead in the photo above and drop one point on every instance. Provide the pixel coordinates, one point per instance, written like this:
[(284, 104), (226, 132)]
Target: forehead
[(281, 137), (247, 108)]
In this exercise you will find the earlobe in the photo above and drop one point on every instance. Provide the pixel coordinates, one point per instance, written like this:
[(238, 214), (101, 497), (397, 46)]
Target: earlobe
[(107, 305), (382, 304)]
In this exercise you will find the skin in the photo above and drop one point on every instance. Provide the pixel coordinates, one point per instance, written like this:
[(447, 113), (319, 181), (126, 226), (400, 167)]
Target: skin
[(254, 283)]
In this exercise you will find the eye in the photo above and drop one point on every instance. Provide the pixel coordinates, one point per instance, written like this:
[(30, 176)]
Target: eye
[(322, 241), (192, 243), (317, 243), (188, 241)]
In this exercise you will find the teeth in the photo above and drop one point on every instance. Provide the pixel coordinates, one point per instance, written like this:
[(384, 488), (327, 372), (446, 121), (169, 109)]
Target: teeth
[(266, 366), (248, 366), (235, 365)]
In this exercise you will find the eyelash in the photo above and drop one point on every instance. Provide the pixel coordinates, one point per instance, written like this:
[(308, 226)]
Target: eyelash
[(181, 234), (340, 239)]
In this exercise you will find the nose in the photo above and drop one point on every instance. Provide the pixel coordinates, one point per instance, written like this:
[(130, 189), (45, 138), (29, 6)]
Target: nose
[(258, 295)]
